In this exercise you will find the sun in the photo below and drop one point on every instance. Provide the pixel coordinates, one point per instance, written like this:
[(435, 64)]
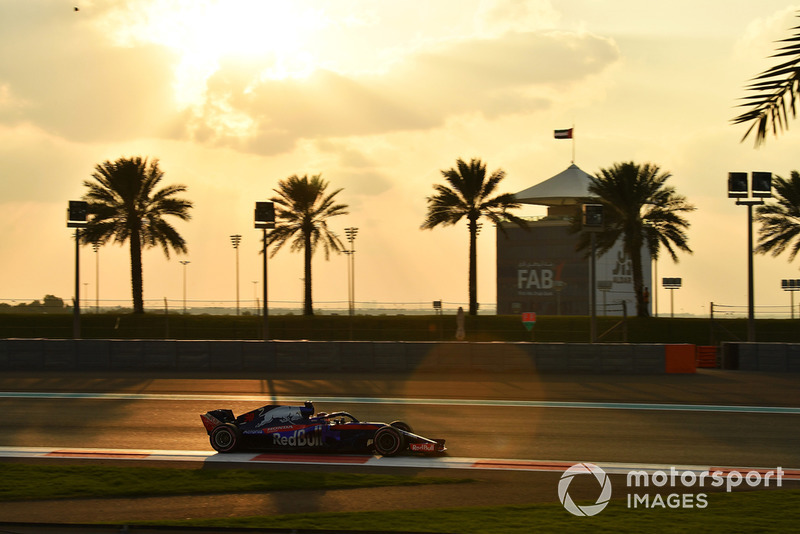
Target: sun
[(279, 36)]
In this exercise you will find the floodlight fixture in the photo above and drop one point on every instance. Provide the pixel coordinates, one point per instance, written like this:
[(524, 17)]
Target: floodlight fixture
[(737, 185), (593, 216), (265, 215)]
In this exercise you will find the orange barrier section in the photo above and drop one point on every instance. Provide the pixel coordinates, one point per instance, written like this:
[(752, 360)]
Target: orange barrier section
[(706, 356), (679, 359)]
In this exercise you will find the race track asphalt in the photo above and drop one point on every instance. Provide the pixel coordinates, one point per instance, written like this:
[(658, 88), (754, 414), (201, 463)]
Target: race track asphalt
[(746, 439)]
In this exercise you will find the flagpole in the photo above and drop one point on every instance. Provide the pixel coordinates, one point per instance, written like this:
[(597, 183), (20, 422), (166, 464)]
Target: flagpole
[(568, 133), (573, 143)]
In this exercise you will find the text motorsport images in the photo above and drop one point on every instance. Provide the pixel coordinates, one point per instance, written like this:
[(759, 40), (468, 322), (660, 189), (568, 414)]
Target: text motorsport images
[(636, 480)]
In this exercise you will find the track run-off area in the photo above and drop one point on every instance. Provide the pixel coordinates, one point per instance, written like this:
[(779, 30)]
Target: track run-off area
[(515, 436), (522, 422)]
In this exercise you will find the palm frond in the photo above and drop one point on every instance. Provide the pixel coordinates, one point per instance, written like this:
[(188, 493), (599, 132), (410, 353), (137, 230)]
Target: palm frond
[(780, 220), (776, 90), (302, 207)]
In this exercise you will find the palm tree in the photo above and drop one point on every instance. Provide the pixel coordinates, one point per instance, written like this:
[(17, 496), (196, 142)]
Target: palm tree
[(640, 210), (302, 209), (469, 194), (772, 88), (125, 206), (780, 222)]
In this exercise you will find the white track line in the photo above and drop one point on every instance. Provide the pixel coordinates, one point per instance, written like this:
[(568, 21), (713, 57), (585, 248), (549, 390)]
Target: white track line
[(415, 462), (407, 401)]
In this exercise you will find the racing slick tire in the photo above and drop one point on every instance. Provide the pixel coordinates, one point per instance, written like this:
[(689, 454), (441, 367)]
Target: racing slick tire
[(402, 425), (225, 438), (388, 441)]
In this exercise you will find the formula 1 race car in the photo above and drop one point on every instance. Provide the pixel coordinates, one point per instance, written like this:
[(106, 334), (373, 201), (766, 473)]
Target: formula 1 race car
[(298, 428)]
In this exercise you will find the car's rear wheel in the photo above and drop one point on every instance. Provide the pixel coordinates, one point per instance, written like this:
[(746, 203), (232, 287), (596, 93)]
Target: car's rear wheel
[(388, 441), (402, 425), (225, 438)]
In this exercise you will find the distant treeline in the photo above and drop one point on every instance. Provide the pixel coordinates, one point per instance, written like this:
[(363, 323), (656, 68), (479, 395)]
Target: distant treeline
[(49, 304)]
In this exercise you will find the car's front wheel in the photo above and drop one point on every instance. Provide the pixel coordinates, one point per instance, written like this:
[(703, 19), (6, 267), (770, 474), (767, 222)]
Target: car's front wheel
[(388, 441), (225, 438)]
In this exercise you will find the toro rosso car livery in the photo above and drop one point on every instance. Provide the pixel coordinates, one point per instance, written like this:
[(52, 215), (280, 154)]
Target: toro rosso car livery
[(298, 428)]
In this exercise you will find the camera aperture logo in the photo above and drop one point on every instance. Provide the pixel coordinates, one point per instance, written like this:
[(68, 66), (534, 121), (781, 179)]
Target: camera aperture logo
[(663, 488), (584, 469)]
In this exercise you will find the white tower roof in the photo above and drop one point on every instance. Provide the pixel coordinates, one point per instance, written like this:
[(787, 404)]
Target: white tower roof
[(565, 188)]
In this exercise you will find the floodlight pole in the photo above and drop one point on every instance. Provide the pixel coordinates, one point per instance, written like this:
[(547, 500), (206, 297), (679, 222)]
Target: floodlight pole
[(740, 188), (264, 284), (235, 240), (751, 318), (76, 312), (96, 248), (184, 263), (671, 302), (592, 222), (751, 314), (351, 233), (592, 293), (77, 212), (791, 286), (265, 219)]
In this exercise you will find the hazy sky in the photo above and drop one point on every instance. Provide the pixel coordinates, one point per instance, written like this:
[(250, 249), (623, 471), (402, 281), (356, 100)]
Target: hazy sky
[(232, 96)]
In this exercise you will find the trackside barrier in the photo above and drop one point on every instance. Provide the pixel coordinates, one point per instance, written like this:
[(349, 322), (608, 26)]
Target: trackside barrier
[(381, 356), (346, 356), (706, 357), (679, 359), (769, 357)]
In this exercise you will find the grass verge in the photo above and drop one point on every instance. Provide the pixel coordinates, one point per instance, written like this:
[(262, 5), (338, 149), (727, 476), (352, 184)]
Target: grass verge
[(35, 482), (739, 512)]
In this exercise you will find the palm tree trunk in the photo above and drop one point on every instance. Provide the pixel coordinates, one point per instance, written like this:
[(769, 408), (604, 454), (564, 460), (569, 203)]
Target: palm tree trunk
[(638, 282), (136, 273), (473, 267), (308, 307)]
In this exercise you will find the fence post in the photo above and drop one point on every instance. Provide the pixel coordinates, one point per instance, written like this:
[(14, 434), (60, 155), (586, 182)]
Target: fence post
[(711, 323), (166, 319)]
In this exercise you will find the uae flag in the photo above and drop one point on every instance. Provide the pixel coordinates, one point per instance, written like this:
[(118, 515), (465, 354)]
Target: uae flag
[(563, 134)]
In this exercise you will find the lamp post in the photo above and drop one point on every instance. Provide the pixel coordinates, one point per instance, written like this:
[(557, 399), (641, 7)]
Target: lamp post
[(96, 248), (739, 187), (593, 223), (235, 240), (672, 284), (351, 234), (184, 263), (791, 286), (265, 219), (349, 283), (77, 211)]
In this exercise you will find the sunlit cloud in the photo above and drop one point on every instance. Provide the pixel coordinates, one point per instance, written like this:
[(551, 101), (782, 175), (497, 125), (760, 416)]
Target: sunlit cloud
[(515, 73), (204, 32)]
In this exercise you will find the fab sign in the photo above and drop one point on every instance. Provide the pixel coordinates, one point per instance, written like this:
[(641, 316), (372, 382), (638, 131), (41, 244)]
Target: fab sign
[(534, 279)]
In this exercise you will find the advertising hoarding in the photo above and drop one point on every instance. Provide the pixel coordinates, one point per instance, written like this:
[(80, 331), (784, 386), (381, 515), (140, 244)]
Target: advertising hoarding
[(540, 270)]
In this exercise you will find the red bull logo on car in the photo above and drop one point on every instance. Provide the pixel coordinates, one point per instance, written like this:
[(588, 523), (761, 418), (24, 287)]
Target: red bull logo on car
[(299, 438)]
